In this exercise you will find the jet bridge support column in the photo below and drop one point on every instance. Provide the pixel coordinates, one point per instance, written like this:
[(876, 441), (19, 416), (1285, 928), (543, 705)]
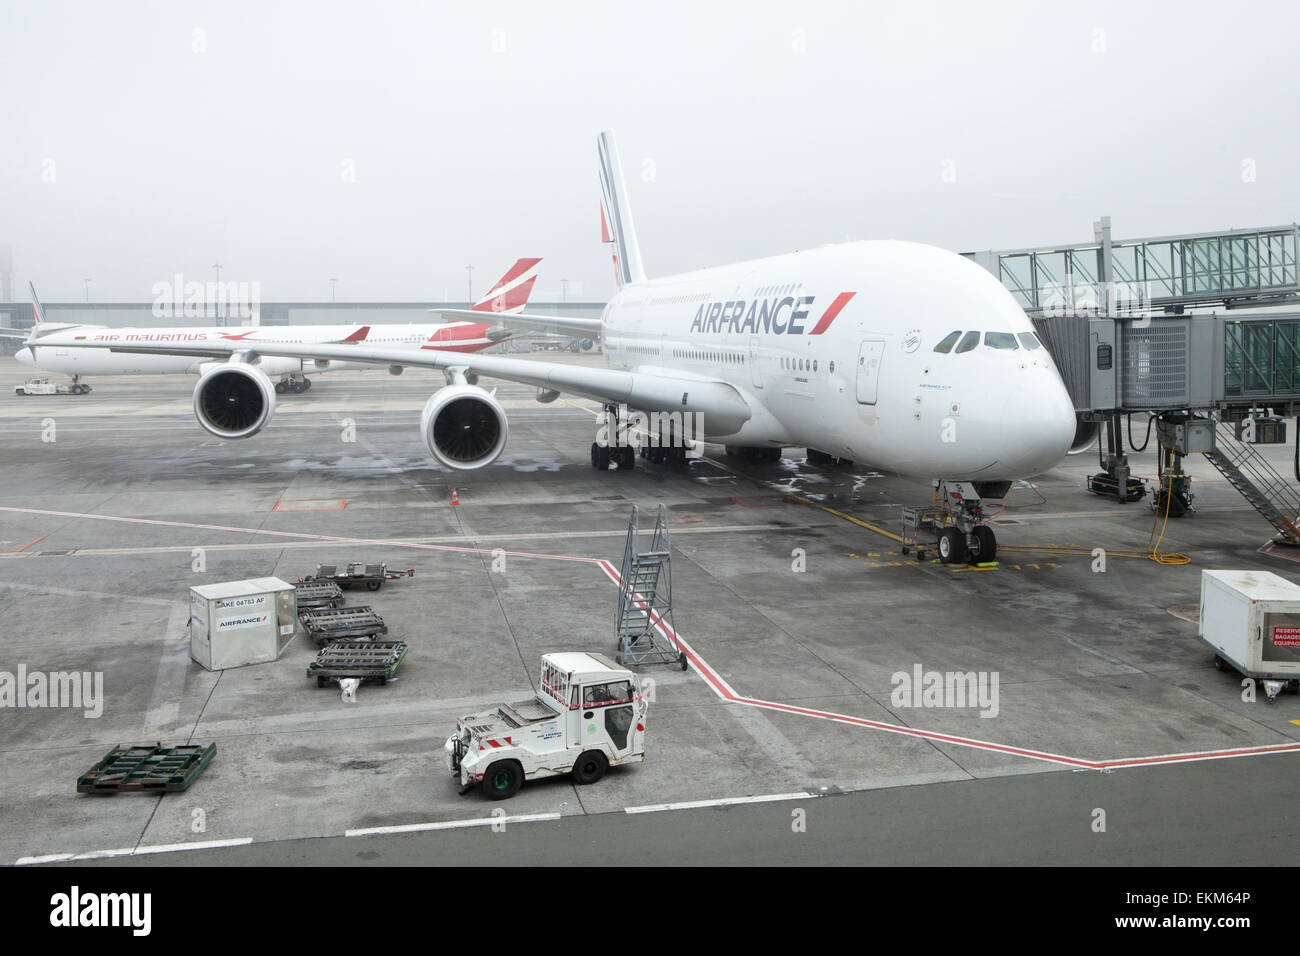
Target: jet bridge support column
[(1117, 480)]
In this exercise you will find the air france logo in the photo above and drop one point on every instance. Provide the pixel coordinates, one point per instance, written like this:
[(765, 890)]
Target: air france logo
[(781, 316), (911, 340)]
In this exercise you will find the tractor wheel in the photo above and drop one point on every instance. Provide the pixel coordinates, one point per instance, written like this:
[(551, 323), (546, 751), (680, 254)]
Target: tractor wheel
[(590, 767), (503, 779)]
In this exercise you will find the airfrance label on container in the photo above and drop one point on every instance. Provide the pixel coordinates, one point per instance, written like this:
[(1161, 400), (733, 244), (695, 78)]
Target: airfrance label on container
[(1286, 637), (232, 623)]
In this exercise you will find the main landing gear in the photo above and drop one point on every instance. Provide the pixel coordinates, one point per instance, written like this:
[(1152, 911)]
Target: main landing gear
[(954, 527), (292, 383), (615, 449)]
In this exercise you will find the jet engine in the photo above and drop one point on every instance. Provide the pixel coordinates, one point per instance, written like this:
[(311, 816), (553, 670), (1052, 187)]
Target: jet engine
[(464, 426), (1085, 434), (234, 400)]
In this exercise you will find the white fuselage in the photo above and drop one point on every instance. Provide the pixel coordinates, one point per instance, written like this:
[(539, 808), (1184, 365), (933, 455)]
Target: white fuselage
[(864, 382), (51, 352)]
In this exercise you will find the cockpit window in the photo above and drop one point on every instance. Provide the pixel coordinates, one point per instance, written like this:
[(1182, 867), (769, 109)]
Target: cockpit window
[(968, 342), (1030, 341), (948, 342), (1000, 340)]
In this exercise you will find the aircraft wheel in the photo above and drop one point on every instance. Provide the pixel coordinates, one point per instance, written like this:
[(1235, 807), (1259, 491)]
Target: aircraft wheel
[(306, 384), (279, 387), (952, 546), (626, 458), (599, 456), (986, 544)]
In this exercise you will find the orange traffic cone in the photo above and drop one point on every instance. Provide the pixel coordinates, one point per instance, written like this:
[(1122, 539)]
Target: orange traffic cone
[(454, 499)]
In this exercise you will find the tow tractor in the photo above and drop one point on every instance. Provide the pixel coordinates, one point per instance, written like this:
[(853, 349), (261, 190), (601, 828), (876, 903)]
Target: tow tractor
[(586, 717), (43, 386)]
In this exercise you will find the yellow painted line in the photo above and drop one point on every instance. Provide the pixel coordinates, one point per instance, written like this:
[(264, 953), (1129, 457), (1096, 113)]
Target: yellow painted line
[(1296, 722)]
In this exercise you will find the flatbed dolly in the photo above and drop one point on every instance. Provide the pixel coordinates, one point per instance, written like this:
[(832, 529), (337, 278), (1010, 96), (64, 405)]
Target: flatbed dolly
[(317, 594), (328, 624), (372, 576), (147, 768), (371, 662)]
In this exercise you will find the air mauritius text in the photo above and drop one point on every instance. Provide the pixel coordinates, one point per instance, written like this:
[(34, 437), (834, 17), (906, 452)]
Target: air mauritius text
[(75, 689), (946, 689)]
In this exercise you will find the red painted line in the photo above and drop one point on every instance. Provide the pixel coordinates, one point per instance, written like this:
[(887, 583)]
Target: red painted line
[(725, 691), (702, 667), (828, 316), (24, 547)]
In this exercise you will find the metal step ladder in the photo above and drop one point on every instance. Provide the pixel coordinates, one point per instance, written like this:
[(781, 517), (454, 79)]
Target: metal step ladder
[(1259, 483), (646, 598)]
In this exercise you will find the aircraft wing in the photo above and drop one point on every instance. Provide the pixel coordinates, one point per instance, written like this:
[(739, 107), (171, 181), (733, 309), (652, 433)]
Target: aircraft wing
[(15, 334), (526, 322), (723, 407)]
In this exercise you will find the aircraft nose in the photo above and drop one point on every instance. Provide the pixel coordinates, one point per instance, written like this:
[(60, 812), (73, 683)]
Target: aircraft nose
[(1043, 415), (24, 356)]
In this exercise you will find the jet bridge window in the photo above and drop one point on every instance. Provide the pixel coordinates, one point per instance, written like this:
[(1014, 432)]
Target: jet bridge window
[(1001, 340), (968, 342), (945, 345), (1030, 341)]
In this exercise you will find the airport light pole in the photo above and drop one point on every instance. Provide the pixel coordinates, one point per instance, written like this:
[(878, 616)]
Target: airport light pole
[(470, 283), (332, 286), (564, 290), (87, 281)]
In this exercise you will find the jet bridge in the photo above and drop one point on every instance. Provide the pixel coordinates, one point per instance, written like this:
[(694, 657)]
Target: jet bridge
[(1233, 268), (1115, 317)]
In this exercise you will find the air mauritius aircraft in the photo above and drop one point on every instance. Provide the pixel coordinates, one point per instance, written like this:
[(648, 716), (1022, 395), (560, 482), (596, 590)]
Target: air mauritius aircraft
[(51, 347), (902, 356)]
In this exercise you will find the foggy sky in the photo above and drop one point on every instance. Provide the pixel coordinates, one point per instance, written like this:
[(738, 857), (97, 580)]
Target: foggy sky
[(179, 135)]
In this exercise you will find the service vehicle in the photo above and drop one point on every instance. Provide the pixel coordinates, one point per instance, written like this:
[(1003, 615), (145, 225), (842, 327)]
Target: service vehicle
[(586, 717), (43, 386)]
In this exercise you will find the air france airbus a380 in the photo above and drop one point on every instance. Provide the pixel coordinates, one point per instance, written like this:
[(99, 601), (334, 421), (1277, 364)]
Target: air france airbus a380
[(50, 347), (903, 356)]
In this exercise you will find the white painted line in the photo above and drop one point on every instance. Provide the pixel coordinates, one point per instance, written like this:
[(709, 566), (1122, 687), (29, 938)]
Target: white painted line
[(453, 824), (722, 802), (198, 845), (132, 851)]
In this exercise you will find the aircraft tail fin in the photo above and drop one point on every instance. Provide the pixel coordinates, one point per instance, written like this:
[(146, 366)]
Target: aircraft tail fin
[(511, 292), (38, 310), (616, 216)]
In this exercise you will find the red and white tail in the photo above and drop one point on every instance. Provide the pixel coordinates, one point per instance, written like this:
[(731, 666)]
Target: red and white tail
[(511, 292), (616, 215)]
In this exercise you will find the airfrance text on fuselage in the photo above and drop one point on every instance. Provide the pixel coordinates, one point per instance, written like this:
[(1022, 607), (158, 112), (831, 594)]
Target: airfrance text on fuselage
[(762, 315)]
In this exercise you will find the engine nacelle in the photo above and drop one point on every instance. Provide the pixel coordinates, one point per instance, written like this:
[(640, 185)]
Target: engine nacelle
[(464, 426), (234, 400), (1085, 435)]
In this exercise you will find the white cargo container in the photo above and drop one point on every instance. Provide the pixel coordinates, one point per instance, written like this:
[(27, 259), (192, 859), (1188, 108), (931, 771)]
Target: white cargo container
[(241, 622), (1251, 620)]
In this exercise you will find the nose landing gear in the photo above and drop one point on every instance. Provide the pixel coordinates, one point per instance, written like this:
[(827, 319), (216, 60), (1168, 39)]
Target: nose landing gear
[(954, 527)]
